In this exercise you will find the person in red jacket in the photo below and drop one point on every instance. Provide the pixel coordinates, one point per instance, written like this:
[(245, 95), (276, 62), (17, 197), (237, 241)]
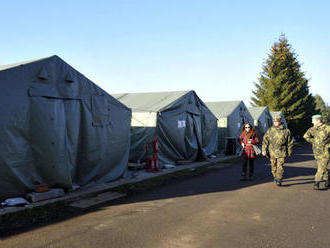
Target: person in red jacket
[(247, 139)]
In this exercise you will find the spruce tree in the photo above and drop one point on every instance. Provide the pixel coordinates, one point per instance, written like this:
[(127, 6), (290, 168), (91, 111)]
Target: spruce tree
[(322, 108), (282, 86)]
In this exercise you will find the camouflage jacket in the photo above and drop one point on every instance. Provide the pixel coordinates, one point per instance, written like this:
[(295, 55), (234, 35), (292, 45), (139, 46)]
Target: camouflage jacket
[(320, 138), (278, 142)]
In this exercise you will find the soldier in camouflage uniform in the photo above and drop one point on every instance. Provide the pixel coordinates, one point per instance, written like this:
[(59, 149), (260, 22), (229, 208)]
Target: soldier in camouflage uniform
[(277, 145), (319, 136)]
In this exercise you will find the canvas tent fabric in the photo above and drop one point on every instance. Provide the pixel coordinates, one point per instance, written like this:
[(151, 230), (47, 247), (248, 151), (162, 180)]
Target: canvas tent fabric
[(57, 127), (184, 126), (262, 119), (279, 113), (231, 116)]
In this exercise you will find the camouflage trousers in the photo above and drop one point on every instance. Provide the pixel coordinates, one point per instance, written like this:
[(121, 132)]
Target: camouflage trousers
[(277, 167), (322, 172)]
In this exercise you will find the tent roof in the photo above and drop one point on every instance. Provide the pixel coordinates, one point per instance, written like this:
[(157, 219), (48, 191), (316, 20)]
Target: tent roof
[(223, 109), (256, 112), (71, 72), (5, 67), (151, 101)]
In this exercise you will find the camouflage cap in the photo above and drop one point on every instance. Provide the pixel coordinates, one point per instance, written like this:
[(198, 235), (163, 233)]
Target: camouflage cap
[(277, 118), (317, 117)]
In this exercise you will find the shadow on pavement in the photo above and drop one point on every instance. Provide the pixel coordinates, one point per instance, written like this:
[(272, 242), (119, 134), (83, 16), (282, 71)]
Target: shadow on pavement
[(219, 180), (291, 184), (302, 179), (215, 179), (301, 154)]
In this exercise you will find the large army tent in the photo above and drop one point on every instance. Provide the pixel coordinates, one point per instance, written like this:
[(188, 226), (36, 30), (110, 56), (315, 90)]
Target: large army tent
[(231, 116), (279, 113), (185, 127), (57, 127), (262, 119)]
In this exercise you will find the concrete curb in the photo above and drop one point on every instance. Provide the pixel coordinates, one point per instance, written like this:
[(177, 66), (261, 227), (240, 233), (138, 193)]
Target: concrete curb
[(85, 192)]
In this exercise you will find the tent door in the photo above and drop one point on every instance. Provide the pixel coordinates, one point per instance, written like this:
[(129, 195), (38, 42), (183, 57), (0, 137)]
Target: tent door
[(198, 135), (54, 126)]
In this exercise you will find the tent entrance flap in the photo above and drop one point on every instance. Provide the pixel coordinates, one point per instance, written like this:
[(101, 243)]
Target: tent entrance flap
[(179, 137), (54, 128), (191, 140), (201, 154)]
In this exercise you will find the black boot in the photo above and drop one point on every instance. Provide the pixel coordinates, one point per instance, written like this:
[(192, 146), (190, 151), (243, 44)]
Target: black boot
[(250, 177), (243, 177), (278, 182), (316, 186)]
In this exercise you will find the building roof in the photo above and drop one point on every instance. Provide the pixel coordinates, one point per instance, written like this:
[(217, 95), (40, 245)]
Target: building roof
[(151, 101), (223, 108)]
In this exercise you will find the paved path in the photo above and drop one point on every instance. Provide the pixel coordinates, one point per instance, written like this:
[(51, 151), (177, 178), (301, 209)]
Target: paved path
[(210, 210)]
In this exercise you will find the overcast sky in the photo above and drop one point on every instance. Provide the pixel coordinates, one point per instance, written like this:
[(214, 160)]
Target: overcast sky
[(216, 48)]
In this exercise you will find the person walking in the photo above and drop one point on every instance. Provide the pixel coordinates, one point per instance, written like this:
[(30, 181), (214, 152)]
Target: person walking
[(247, 139), (319, 136), (277, 145)]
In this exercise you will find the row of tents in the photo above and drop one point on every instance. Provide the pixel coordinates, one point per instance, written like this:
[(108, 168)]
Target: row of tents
[(58, 127)]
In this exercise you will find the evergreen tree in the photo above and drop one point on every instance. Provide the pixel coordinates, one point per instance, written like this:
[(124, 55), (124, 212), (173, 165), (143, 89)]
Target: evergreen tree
[(282, 86), (322, 108)]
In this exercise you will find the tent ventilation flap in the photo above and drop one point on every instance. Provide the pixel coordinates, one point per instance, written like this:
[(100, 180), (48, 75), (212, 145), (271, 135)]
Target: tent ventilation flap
[(69, 77), (43, 74)]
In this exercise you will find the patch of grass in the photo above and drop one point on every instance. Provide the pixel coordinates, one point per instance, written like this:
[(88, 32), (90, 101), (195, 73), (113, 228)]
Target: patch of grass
[(32, 216)]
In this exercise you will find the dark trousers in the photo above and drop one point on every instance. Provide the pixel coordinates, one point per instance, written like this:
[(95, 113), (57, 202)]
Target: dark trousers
[(245, 161)]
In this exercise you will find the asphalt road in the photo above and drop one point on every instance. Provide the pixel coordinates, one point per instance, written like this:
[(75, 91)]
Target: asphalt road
[(214, 209)]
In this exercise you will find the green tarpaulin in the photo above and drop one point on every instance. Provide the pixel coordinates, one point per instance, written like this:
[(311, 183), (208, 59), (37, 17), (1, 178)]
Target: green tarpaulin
[(185, 127), (231, 117), (59, 128), (262, 119)]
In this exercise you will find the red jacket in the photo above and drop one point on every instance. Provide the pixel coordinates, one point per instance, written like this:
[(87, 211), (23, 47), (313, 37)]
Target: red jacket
[(248, 147)]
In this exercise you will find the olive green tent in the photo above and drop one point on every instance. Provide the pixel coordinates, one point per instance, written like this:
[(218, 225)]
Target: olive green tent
[(186, 129), (57, 127), (262, 119), (231, 116)]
